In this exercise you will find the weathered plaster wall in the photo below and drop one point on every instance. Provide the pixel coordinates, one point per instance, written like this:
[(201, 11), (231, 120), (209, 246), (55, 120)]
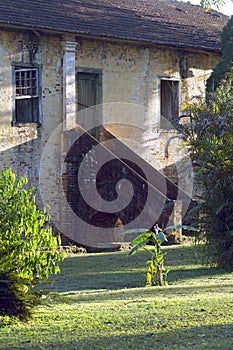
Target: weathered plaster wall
[(21, 146), (130, 74)]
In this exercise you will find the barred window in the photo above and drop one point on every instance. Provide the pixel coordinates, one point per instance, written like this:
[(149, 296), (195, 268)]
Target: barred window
[(26, 82), (27, 99)]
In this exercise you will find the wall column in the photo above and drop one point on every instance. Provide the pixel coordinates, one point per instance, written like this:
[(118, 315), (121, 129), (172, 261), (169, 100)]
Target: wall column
[(69, 90)]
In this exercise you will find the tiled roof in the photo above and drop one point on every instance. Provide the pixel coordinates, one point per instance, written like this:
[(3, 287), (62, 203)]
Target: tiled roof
[(165, 22)]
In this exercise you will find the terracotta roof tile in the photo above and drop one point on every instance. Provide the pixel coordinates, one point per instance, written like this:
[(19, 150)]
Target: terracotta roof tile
[(165, 22)]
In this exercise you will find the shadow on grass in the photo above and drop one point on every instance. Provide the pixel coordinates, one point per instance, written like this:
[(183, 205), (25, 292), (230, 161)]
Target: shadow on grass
[(212, 337), (140, 294), (179, 275), (195, 338), (114, 271)]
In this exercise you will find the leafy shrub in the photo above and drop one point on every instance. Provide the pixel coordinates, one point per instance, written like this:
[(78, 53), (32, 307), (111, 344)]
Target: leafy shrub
[(13, 300), (209, 137), (28, 249)]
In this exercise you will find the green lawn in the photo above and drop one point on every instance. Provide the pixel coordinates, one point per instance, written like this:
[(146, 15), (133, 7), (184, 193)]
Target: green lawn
[(99, 302)]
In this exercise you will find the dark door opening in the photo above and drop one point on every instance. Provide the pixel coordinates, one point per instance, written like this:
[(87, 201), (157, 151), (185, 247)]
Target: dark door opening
[(89, 93)]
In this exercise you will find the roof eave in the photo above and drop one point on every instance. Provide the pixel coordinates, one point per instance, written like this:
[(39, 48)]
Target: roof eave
[(83, 34)]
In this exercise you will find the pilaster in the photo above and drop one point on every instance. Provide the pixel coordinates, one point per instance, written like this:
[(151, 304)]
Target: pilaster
[(69, 89)]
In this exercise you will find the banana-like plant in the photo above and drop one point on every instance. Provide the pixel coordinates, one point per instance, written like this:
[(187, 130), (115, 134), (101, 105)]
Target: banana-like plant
[(156, 271)]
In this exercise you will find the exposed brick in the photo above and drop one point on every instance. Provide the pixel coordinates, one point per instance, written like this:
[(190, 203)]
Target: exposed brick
[(131, 74)]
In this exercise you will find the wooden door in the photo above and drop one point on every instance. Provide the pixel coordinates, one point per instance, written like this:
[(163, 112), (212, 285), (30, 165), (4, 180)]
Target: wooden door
[(89, 87)]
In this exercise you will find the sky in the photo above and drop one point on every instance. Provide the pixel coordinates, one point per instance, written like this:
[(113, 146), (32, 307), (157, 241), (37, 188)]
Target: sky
[(227, 9)]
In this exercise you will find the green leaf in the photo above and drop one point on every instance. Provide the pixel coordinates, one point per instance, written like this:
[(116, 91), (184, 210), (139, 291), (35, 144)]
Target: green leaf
[(137, 247), (229, 232), (161, 236), (219, 209), (133, 230), (185, 227), (148, 250), (141, 238)]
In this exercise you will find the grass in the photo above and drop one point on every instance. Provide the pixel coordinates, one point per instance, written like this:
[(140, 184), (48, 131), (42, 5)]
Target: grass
[(99, 302)]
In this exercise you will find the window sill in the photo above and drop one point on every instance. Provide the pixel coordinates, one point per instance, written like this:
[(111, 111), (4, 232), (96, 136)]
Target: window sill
[(26, 125)]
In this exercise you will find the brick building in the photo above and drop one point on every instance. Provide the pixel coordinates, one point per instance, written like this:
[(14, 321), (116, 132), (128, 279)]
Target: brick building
[(58, 57)]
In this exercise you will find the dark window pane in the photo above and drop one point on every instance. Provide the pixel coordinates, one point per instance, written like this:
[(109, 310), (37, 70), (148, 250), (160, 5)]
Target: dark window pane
[(169, 99), (24, 110)]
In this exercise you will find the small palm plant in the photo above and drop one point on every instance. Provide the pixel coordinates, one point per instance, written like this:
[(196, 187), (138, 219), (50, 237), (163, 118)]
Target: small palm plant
[(156, 272)]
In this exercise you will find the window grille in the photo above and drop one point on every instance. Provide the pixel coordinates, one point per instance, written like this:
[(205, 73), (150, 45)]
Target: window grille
[(27, 107), (26, 82)]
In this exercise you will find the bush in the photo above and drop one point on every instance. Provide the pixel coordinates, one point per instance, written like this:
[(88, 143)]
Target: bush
[(210, 140), (13, 301), (28, 249)]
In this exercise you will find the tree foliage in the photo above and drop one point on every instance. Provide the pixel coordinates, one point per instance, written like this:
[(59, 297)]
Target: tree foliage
[(209, 137), (224, 66), (28, 249), (208, 4)]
